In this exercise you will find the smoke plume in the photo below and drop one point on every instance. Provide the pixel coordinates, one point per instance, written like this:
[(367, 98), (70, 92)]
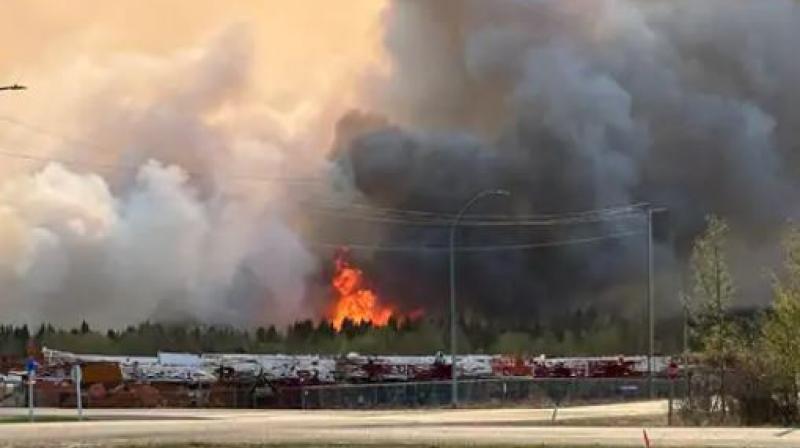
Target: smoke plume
[(173, 163), (576, 105), (149, 171)]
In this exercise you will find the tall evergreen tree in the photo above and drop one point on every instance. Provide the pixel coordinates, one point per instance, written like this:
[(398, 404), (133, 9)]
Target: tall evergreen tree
[(713, 291)]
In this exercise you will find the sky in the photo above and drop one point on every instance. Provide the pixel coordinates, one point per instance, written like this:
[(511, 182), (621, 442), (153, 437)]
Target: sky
[(156, 166), (122, 164)]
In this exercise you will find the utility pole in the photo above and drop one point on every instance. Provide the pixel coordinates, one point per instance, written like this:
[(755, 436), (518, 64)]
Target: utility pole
[(650, 308), (453, 345), (651, 313), (30, 367), (685, 306), (13, 87)]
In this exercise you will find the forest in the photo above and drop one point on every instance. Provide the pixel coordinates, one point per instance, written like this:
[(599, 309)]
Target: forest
[(583, 332)]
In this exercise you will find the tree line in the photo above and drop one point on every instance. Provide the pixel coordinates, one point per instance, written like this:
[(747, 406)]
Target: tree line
[(581, 332), (743, 371)]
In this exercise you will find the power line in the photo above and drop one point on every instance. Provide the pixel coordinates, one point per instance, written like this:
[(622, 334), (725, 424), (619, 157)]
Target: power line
[(49, 133), (487, 248), (117, 166), (365, 212), (475, 223), (354, 211), (130, 167), (607, 210), (432, 219), (345, 207)]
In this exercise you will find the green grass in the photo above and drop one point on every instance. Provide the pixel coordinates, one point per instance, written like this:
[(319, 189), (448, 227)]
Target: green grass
[(38, 419)]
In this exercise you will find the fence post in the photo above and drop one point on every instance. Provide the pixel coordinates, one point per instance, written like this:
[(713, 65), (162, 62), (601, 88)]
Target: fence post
[(77, 377), (234, 392), (671, 398), (31, 382), (571, 388)]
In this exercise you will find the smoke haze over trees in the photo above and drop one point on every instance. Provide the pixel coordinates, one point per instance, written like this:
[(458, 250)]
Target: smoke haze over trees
[(571, 105), (594, 335)]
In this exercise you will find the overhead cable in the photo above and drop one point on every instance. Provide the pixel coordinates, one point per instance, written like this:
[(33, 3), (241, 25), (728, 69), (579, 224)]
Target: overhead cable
[(128, 167), (487, 248)]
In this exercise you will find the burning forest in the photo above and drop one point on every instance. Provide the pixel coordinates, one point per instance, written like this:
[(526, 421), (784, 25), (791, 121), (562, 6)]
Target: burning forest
[(354, 300)]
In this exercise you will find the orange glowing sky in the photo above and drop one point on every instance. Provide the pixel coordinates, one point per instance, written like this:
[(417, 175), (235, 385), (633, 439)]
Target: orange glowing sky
[(227, 89), (297, 42), (308, 56)]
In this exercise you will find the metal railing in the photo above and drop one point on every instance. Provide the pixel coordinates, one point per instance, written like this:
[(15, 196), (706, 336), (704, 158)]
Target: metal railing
[(533, 392), (546, 392)]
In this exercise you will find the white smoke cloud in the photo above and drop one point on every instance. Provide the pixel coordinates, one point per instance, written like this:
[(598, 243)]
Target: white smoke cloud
[(171, 202), (72, 250)]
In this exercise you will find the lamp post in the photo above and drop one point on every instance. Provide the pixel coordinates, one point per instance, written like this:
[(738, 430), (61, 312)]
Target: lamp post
[(649, 211), (453, 346), (650, 304)]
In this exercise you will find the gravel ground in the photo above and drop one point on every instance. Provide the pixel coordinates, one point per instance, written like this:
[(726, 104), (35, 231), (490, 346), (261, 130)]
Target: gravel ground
[(474, 427)]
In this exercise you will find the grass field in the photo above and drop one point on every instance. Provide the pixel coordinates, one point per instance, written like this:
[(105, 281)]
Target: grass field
[(37, 419)]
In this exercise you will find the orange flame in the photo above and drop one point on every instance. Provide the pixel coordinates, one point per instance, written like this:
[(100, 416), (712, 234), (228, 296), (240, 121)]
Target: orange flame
[(355, 301)]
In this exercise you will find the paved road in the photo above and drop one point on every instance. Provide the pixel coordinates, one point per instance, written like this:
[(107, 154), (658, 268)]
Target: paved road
[(459, 427)]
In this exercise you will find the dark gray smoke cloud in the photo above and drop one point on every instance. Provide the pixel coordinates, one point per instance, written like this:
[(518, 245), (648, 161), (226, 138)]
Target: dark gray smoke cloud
[(575, 105)]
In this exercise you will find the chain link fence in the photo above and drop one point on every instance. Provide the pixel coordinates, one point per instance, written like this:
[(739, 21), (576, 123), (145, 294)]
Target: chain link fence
[(12, 393), (544, 392), (535, 392)]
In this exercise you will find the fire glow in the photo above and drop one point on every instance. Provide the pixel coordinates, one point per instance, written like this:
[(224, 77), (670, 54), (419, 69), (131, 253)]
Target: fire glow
[(354, 300)]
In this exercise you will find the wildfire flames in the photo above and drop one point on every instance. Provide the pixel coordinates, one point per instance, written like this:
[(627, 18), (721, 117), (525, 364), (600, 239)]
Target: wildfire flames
[(355, 300)]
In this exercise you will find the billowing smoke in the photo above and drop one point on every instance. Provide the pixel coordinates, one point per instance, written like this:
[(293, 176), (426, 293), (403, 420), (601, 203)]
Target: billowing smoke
[(177, 174), (157, 251), (576, 105), (149, 171)]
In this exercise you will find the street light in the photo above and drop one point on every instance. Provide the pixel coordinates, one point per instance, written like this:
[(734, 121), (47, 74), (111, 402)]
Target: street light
[(453, 226), (651, 315)]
